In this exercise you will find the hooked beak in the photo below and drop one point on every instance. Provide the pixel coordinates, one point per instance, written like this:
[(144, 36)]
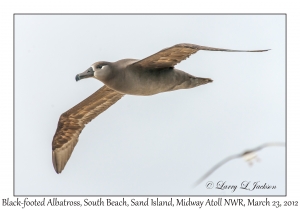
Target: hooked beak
[(86, 74)]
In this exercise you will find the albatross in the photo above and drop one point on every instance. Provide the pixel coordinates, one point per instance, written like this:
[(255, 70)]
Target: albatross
[(151, 75), (248, 156)]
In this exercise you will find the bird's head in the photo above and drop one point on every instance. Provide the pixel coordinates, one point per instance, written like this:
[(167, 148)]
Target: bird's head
[(99, 70)]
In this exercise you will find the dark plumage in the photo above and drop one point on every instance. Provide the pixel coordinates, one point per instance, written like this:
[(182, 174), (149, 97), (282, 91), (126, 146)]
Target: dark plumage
[(152, 75)]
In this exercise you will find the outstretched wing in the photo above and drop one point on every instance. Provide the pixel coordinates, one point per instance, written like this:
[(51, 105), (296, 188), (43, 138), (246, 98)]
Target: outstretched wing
[(282, 144), (171, 56), (207, 174), (72, 122)]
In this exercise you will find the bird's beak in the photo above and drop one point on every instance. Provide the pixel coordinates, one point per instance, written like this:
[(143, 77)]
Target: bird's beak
[(86, 74)]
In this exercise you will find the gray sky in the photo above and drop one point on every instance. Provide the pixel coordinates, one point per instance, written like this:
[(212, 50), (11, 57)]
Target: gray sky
[(157, 145)]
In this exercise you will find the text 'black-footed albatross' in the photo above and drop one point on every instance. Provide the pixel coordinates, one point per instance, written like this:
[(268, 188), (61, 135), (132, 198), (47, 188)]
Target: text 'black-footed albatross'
[(149, 76)]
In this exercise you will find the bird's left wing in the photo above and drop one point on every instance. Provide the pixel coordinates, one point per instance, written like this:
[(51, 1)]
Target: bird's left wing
[(215, 168), (72, 122), (171, 56)]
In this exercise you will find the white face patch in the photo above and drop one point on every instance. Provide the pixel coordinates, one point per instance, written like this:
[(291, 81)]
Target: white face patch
[(101, 73)]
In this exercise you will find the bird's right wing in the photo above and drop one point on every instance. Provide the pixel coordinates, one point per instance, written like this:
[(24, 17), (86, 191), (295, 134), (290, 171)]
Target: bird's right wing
[(72, 122), (281, 144)]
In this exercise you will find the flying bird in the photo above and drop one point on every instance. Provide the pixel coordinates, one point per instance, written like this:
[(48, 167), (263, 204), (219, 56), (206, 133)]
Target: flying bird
[(151, 75), (248, 156)]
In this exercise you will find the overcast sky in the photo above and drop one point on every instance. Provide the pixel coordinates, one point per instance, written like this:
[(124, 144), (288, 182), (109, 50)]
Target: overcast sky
[(161, 144)]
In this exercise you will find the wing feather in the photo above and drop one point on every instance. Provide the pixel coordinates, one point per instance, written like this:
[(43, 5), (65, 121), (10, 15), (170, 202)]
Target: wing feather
[(171, 56), (72, 122)]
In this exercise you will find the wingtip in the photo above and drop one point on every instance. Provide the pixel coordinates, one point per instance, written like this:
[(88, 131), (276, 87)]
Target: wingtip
[(194, 185), (54, 163), (266, 50), (57, 171), (259, 50)]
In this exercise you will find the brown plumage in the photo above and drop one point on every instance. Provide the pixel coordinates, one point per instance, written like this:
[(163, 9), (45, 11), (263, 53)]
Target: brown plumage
[(72, 122), (152, 75), (171, 56)]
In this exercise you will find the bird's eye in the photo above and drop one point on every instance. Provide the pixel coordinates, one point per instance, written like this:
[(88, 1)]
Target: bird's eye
[(99, 67)]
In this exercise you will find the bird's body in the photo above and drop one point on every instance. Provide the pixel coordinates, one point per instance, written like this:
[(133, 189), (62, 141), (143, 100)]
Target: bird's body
[(151, 75), (132, 80)]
